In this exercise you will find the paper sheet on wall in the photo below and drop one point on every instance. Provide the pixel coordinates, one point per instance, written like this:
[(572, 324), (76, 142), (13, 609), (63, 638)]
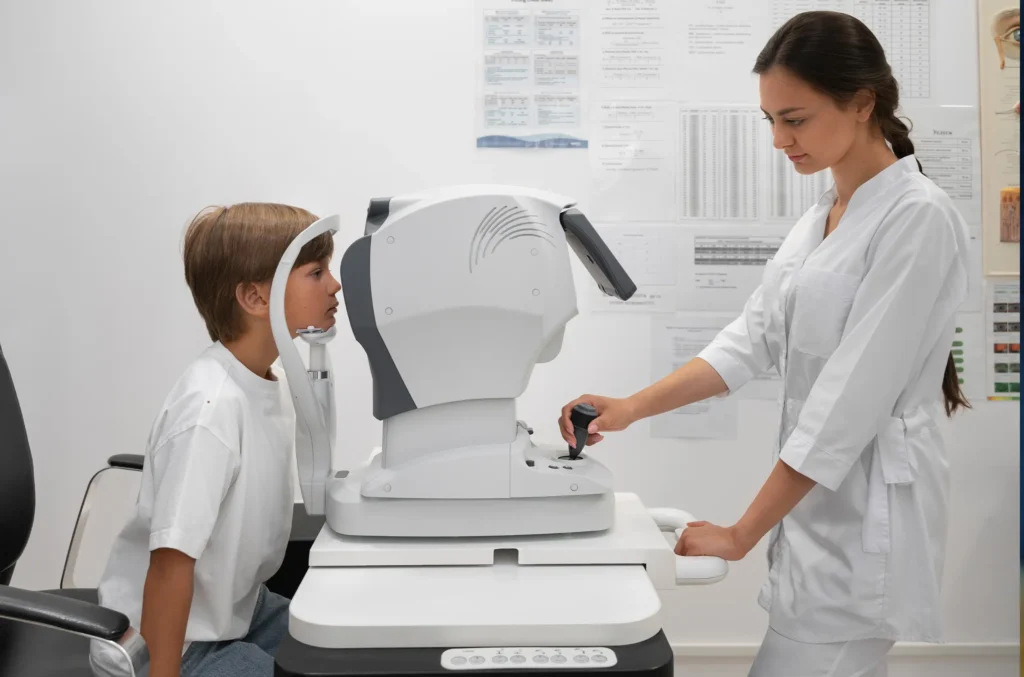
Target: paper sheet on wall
[(946, 142), (917, 36), (530, 94), (999, 65), (975, 301), (718, 162), (635, 51), (676, 340), (632, 161), (720, 269), (729, 34), (1002, 320), (648, 255), (969, 355), (902, 27)]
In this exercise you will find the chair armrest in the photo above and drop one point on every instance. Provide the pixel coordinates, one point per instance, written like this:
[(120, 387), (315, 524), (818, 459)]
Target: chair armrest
[(127, 461), (62, 613)]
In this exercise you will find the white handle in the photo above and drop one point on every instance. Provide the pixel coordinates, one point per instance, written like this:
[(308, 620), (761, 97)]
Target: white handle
[(690, 570)]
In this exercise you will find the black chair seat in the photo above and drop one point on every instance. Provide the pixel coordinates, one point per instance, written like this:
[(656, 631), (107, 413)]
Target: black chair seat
[(34, 651)]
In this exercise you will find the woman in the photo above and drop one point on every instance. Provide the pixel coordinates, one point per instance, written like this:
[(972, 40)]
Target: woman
[(856, 313)]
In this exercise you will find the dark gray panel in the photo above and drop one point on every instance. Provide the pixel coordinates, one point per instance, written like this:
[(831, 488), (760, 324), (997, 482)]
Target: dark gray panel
[(390, 396), (595, 255), (377, 214)]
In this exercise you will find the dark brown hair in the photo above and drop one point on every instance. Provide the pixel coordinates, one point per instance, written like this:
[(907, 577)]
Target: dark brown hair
[(838, 55), (228, 246)]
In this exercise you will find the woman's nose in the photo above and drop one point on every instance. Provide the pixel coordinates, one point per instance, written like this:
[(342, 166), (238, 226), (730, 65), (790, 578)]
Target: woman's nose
[(781, 139)]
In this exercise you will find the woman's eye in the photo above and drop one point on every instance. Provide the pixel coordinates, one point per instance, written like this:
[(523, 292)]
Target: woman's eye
[(795, 123), (770, 121)]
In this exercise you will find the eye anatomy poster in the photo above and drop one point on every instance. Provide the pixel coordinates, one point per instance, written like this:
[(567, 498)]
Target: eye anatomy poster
[(999, 65)]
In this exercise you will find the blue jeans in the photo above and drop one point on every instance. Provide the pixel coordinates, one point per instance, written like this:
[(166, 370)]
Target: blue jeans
[(249, 656)]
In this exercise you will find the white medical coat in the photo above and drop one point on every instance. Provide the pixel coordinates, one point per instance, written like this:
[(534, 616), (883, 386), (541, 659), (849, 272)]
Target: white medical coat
[(859, 326)]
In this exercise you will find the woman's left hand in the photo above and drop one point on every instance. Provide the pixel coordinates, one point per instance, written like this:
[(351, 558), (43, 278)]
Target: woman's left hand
[(704, 538)]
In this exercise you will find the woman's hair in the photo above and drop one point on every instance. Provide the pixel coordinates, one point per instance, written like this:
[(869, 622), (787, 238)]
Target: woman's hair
[(839, 56)]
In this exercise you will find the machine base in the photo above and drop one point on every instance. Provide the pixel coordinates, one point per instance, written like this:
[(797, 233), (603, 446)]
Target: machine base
[(650, 658), (352, 514)]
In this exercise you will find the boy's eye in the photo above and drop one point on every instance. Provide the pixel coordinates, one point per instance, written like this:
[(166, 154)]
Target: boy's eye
[(318, 272)]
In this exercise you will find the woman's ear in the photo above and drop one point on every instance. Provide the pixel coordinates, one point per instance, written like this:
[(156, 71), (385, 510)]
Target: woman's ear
[(863, 104), (254, 298)]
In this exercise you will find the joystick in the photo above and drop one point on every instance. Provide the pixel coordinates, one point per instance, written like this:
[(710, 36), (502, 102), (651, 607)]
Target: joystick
[(582, 415)]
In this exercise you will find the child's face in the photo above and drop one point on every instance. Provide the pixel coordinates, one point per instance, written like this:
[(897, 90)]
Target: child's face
[(310, 298)]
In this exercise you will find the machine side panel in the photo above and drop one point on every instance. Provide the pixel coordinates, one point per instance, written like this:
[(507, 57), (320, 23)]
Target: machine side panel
[(390, 394)]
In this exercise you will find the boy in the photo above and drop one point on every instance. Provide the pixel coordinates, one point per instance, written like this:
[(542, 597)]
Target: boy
[(214, 510)]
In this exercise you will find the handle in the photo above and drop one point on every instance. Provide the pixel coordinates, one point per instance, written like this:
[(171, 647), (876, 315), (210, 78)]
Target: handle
[(694, 569)]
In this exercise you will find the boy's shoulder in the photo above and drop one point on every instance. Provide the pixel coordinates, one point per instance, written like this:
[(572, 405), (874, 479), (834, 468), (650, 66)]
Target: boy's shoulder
[(204, 395)]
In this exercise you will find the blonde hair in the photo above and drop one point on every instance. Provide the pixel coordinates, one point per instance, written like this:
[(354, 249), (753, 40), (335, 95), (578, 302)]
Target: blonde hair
[(243, 243)]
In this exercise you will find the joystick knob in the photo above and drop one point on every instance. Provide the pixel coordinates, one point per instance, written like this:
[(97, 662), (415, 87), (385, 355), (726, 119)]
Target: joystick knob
[(581, 416)]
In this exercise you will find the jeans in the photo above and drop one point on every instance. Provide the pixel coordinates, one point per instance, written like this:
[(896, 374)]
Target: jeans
[(249, 656)]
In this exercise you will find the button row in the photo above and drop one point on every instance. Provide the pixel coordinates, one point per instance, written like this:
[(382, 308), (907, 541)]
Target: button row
[(519, 658)]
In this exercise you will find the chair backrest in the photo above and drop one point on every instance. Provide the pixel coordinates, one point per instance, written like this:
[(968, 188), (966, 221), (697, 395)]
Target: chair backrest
[(17, 482)]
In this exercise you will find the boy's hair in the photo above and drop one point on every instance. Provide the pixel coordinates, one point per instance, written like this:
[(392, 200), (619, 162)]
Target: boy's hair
[(240, 244)]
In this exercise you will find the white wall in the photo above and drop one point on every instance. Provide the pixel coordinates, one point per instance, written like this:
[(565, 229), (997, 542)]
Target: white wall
[(119, 120)]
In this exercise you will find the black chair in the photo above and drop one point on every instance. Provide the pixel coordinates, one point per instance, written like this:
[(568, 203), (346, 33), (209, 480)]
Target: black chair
[(44, 632), (49, 632)]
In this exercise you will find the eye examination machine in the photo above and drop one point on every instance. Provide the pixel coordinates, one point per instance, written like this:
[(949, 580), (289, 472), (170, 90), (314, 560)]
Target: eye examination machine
[(460, 544)]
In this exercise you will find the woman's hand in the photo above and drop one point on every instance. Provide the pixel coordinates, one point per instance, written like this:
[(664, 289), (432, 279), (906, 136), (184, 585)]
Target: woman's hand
[(612, 414), (704, 538)]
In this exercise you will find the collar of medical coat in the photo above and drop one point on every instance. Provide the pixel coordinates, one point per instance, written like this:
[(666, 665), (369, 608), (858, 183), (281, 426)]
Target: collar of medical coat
[(874, 186)]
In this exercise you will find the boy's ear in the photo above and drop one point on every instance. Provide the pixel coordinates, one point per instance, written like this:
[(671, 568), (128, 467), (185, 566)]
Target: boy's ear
[(254, 298)]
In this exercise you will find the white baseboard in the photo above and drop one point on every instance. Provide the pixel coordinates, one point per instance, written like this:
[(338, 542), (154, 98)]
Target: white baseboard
[(947, 650)]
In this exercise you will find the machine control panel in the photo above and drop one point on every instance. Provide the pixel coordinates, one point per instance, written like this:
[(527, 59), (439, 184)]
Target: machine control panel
[(547, 657)]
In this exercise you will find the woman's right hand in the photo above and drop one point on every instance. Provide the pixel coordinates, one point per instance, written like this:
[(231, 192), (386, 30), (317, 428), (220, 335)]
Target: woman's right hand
[(612, 414)]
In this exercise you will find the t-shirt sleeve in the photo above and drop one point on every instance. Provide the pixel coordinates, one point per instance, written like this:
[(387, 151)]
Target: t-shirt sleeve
[(192, 473)]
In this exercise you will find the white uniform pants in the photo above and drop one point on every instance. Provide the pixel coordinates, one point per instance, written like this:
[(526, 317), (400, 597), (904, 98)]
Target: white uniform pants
[(782, 657)]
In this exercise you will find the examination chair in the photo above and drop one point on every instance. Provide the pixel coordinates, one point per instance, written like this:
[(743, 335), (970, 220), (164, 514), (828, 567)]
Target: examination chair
[(48, 632)]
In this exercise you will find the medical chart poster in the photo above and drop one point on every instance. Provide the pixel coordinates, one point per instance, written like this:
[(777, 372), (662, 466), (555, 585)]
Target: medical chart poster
[(675, 340), (999, 79), (529, 74), (1002, 318)]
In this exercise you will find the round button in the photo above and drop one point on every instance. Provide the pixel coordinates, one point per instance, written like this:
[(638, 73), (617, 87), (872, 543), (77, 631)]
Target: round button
[(540, 659), (518, 658), (600, 659), (500, 659), (559, 658), (477, 660), (581, 659), (459, 660), (573, 487)]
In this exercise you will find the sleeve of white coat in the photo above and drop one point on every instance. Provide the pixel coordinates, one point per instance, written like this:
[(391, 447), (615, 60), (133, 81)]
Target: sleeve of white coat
[(740, 352), (192, 473), (858, 387)]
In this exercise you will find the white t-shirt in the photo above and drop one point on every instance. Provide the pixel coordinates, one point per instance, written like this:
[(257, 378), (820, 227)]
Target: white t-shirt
[(217, 486)]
